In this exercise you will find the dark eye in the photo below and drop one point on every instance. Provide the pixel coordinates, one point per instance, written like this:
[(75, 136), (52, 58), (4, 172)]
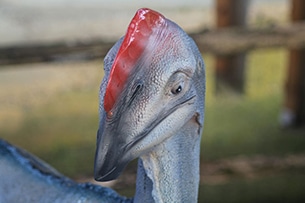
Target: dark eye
[(177, 90), (178, 84)]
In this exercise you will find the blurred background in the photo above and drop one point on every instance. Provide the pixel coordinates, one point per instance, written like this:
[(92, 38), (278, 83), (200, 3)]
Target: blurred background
[(253, 146)]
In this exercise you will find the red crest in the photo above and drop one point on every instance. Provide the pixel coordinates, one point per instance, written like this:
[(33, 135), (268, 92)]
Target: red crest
[(139, 30)]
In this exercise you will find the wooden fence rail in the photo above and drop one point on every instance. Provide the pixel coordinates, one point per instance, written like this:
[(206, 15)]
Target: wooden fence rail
[(220, 42), (78, 50), (238, 40)]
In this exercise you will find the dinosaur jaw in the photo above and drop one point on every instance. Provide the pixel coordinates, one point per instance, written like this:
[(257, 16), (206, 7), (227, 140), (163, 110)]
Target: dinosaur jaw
[(115, 148)]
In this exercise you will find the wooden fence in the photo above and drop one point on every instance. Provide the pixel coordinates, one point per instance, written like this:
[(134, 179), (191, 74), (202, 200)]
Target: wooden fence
[(219, 42), (230, 67)]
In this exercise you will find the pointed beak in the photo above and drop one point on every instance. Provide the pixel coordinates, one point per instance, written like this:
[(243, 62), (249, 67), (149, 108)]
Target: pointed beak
[(110, 155)]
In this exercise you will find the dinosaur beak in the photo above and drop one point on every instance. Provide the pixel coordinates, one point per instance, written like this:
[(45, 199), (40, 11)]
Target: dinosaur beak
[(111, 157)]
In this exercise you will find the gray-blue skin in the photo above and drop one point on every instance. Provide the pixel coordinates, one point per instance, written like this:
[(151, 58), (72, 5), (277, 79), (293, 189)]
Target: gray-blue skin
[(158, 118), (26, 179)]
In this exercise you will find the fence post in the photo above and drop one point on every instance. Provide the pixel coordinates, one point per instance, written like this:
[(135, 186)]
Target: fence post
[(229, 70), (294, 102)]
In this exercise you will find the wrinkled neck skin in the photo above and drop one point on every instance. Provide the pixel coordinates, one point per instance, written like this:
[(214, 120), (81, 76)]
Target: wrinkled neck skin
[(170, 173)]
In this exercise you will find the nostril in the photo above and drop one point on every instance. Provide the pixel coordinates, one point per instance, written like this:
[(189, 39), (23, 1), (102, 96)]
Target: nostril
[(136, 90)]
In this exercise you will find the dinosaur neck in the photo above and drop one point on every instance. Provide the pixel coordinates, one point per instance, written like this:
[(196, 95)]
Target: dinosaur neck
[(170, 173)]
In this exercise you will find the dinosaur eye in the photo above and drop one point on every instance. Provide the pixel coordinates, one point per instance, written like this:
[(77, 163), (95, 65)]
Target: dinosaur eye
[(178, 83), (177, 90)]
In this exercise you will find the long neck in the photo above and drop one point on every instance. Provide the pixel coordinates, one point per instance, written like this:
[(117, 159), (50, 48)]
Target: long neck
[(170, 173)]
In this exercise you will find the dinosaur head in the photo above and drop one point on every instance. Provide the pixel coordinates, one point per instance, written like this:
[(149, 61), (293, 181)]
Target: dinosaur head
[(154, 83)]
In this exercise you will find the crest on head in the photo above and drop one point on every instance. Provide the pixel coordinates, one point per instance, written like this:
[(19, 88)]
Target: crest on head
[(141, 27)]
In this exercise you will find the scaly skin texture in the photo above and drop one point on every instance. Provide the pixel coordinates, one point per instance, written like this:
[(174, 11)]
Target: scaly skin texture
[(158, 116), (170, 173)]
